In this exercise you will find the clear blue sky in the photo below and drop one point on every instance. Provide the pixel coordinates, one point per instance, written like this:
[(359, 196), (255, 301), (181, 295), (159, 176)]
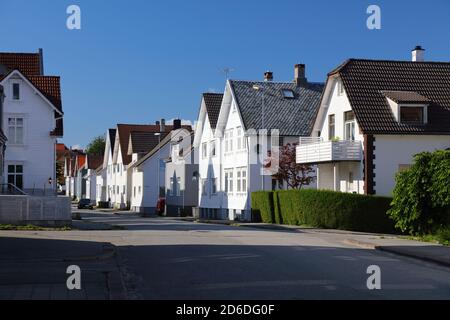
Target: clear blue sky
[(137, 61)]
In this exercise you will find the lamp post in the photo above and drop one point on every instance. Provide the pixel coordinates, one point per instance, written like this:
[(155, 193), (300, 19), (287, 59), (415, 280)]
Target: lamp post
[(262, 89)]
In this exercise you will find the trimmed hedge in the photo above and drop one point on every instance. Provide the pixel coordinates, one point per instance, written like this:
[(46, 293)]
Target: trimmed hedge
[(325, 209), (262, 202)]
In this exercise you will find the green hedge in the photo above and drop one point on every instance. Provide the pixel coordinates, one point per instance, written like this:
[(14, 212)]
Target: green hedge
[(325, 209), (262, 202)]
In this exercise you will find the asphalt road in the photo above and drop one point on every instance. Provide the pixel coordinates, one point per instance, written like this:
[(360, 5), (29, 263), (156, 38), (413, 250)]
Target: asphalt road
[(171, 259)]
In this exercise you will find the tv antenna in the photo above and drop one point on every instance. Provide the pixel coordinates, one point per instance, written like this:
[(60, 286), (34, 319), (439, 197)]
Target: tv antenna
[(227, 72)]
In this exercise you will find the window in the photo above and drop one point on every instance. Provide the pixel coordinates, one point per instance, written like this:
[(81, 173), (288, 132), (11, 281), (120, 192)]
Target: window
[(171, 187), (229, 181), (411, 115), (178, 186), (139, 189), (349, 121), (16, 91), (241, 180), (213, 185), (229, 140), (240, 145), (331, 126), (204, 150), (134, 191), (118, 189), (15, 175), (340, 88), (350, 181), (15, 130), (288, 94), (123, 189), (213, 149)]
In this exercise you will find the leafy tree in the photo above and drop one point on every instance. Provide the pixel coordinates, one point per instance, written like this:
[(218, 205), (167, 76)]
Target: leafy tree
[(287, 169), (421, 203), (96, 146)]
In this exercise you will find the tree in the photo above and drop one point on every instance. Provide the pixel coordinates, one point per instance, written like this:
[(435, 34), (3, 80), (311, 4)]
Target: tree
[(421, 202), (287, 169), (96, 146)]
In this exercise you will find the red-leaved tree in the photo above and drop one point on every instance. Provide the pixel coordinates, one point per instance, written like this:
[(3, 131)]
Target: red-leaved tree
[(284, 167)]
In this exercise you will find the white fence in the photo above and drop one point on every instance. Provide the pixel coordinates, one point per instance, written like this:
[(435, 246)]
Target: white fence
[(23, 209)]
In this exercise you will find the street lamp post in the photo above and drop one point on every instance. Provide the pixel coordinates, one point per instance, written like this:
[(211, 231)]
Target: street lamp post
[(262, 89)]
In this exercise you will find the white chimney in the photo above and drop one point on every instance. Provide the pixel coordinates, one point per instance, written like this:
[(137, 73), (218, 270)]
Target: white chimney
[(418, 54)]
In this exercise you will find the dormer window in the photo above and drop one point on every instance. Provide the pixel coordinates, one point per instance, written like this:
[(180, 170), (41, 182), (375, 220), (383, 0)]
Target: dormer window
[(288, 94), (412, 115)]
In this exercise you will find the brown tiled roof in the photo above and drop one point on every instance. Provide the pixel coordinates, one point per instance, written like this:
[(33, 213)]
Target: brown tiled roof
[(27, 63), (50, 87), (406, 97), (124, 130), (365, 81), (94, 161), (143, 142), (213, 102)]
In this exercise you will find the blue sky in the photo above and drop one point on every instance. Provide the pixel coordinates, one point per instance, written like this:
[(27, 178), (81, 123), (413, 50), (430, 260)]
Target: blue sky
[(136, 61)]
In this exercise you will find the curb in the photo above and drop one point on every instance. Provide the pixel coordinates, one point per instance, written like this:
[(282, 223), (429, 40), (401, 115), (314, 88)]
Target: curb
[(367, 245)]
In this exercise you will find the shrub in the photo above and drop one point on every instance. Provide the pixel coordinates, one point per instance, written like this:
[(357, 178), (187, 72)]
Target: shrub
[(329, 209), (262, 207), (421, 202)]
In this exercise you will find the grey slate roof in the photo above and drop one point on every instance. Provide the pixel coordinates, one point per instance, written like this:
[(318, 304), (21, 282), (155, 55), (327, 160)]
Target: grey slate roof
[(292, 117), (213, 102), (366, 80)]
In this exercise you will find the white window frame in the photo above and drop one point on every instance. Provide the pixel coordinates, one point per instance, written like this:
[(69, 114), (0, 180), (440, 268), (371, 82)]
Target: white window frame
[(19, 83), (229, 183), (340, 88), (241, 180), (351, 125), (213, 148), (424, 112), (12, 141)]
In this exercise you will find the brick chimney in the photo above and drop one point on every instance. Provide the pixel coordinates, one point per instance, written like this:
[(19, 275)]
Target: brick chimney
[(418, 54), (268, 76), (176, 124), (41, 61), (299, 74)]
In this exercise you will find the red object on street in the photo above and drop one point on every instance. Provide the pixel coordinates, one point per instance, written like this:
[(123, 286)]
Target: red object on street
[(161, 206)]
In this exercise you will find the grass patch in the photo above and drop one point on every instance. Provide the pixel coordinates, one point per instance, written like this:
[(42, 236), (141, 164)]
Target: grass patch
[(441, 237), (30, 227)]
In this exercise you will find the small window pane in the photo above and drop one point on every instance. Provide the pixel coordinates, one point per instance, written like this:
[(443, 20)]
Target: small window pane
[(11, 169), (19, 169), (16, 91)]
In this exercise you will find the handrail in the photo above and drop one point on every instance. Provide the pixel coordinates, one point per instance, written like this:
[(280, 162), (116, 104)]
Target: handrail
[(10, 189)]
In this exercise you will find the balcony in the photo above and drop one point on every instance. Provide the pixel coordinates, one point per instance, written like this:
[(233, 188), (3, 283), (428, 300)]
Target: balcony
[(314, 150)]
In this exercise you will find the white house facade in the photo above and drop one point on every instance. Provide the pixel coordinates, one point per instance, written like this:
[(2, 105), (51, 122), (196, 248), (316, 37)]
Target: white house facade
[(373, 118), (2, 139), (32, 120), (253, 117)]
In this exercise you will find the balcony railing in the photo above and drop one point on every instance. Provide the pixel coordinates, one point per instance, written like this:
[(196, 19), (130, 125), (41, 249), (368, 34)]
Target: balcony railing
[(314, 150)]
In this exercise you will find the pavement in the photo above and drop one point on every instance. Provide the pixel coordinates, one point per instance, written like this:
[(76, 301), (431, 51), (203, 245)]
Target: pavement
[(170, 258)]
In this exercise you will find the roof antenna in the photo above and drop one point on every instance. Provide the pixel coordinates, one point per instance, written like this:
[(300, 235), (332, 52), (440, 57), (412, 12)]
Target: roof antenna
[(227, 72)]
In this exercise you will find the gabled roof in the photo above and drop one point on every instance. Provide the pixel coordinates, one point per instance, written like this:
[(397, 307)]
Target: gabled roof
[(124, 130), (112, 139), (143, 142), (365, 81), (213, 102), (93, 161), (164, 141), (27, 63), (291, 116), (29, 66)]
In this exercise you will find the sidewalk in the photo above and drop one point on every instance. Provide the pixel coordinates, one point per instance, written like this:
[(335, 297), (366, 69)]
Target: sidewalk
[(427, 251), (35, 268)]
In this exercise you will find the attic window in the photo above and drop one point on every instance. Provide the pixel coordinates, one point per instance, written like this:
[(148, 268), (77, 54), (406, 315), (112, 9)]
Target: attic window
[(412, 115), (288, 94)]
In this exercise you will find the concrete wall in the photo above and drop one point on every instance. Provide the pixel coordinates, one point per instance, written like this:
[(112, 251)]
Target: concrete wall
[(43, 211)]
